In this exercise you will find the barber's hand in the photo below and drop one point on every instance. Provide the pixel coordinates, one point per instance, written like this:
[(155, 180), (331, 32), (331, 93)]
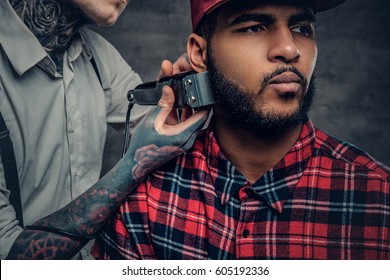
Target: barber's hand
[(155, 142), (168, 69)]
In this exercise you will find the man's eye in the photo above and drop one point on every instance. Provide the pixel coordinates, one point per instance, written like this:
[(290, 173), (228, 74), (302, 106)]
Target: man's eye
[(305, 30), (252, 29)]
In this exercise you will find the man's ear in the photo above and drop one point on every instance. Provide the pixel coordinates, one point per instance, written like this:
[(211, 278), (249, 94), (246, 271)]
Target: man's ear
[(197, 52)]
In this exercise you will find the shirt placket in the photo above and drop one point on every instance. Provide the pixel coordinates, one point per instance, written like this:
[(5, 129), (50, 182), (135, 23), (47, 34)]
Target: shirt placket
[(245, 226), (72, 117)]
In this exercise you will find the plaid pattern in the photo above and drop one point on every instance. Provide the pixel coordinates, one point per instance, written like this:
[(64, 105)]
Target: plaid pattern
[(325, 200)]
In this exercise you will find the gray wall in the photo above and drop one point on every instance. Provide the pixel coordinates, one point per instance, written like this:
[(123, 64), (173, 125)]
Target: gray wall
[(353, 66)]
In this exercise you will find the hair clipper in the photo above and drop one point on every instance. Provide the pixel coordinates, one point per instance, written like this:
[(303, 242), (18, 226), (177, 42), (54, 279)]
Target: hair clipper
[(190, 88)]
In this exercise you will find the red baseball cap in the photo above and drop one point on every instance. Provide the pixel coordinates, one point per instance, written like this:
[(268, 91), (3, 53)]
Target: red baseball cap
[(199, 8)]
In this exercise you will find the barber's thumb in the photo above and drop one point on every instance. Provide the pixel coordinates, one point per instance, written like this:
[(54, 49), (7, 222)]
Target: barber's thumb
[(167, 98), (165, 103)]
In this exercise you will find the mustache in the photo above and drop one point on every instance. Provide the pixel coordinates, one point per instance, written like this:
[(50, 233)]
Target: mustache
[(268, 77)]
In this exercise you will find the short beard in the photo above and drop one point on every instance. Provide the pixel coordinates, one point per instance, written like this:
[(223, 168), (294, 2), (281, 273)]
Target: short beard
[(238, 106)]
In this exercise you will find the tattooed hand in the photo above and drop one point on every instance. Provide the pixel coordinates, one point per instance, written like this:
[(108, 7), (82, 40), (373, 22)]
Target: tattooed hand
[(155, 142), (168, 137)]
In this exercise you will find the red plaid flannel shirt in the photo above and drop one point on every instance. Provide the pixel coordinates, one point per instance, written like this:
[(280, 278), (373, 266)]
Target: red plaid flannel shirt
[(325, 200)]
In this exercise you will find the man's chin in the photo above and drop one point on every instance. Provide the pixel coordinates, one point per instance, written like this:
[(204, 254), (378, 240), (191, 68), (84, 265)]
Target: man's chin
[(278, 110), (275, 123)]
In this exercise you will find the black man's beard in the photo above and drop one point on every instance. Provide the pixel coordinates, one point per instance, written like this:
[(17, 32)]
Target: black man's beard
[(238, 106)]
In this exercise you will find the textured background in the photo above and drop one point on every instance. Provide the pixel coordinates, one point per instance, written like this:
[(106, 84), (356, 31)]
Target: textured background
[(353, 66)]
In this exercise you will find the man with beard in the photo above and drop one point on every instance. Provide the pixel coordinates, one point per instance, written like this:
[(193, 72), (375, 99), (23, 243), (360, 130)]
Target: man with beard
[(261, 182), (60, 84)]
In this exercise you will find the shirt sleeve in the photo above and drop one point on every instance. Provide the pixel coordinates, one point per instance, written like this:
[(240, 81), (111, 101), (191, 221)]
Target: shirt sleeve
[(121, 78)]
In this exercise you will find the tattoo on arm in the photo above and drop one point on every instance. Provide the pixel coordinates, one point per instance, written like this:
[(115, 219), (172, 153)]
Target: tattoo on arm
[(87, 214), (35, 245)]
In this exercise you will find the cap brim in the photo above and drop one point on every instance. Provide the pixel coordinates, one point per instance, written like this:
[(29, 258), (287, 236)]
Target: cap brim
[(316, 5), (321, 5)]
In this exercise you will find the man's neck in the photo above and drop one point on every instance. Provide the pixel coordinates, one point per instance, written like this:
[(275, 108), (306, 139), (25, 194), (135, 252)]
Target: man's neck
[(53, 22), (253, 154)]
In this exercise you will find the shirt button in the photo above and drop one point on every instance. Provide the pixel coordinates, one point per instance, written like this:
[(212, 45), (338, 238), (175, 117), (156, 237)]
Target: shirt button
[(245, 233)]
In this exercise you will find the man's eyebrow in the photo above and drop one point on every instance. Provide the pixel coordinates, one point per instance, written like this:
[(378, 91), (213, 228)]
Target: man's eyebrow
[(264, 18), (305, 15)]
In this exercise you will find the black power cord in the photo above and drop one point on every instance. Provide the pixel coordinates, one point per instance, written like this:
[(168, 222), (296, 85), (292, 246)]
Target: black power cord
[(126, 142)]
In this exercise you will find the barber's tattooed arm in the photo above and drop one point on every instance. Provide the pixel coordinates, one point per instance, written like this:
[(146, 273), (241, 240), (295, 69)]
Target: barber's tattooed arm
[(53, 22), (153, 144)]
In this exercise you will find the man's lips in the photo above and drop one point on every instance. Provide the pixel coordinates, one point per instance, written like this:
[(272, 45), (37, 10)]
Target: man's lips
[(286, 82)]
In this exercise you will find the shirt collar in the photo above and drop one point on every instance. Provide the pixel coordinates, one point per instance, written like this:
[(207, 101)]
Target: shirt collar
[(276, 186), (79, 45), (19, 44)]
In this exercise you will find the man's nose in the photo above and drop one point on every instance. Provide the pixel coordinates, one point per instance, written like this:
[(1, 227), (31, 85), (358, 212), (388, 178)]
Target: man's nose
[(283, 47)]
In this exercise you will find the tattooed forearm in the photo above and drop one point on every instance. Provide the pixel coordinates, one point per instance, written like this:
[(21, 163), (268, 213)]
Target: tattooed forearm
[(86, 215), (40, 245), (148, 158), (83, 217)]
